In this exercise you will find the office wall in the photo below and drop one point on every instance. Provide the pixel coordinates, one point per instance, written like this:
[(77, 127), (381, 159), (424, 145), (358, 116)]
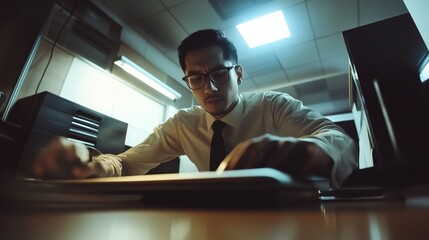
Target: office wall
[(55, 73), (116, 94), (104, 93), (58, 68), (21, 24), (419, 12), (184, 101)]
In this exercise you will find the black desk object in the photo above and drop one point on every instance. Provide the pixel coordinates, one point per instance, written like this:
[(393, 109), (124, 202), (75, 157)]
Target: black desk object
[(45, 115), (391, 102)]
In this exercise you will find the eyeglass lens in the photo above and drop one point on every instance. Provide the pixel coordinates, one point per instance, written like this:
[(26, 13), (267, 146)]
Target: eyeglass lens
[(216, 76)]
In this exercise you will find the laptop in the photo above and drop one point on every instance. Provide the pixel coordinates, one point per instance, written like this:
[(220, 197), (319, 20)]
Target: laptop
[(263, 187)]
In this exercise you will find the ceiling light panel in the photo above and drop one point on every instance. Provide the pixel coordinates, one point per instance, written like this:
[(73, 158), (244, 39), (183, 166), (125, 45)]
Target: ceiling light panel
[(263, 30)]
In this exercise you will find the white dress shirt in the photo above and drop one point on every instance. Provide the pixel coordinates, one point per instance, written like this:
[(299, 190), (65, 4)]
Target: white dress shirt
[(189, 133)]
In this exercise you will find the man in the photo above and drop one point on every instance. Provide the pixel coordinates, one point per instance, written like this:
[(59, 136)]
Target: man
[(259, 130)]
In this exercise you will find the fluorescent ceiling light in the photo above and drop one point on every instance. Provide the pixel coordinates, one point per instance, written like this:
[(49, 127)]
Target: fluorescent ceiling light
[(144, 76), (266, 29), (424, 72)]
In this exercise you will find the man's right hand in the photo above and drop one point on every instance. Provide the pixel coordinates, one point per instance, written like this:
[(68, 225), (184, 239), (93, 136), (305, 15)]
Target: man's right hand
[(63, 159)]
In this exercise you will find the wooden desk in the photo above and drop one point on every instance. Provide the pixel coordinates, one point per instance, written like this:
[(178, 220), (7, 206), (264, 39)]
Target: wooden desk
[(325, 220)]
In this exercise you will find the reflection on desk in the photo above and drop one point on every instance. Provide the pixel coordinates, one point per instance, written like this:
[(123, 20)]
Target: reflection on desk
[(115, 209), (331, 220)]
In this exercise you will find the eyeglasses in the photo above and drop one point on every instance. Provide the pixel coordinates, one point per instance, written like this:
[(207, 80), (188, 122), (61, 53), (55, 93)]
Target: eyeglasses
[(217, 76)]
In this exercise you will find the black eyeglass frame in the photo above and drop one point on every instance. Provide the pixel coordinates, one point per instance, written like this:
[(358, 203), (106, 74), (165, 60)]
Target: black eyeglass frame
[(207, 76)]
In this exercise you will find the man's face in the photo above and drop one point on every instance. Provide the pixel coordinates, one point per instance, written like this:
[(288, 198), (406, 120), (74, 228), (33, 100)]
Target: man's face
[(216, 99)]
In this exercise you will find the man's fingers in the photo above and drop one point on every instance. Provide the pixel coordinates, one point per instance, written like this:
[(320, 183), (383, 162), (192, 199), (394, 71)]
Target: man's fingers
[(255, 155), (249, 154), (233, 157), (298, 158), (62, 159), (301, 159), (45, 162), (291, 157), (82, 171), (75, 153)]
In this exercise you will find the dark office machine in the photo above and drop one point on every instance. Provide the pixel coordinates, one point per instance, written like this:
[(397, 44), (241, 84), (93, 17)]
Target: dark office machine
[(44, 115), (390, 101)]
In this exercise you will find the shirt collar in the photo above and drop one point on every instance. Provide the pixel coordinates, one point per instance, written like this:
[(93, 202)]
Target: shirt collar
[(233, 118)]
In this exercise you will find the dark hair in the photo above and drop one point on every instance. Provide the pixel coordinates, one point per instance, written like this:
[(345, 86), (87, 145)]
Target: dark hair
[(207, 38)]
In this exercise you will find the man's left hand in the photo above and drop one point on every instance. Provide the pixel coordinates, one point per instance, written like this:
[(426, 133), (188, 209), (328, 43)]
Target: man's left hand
[(294, 156)]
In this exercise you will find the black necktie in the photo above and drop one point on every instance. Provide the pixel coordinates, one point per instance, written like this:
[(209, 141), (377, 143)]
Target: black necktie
[(217, 149)]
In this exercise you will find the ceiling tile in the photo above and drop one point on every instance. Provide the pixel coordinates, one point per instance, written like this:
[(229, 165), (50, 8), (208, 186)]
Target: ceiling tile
[(339, 94), (267, 7), (325, 108), (304, 72), (133, 10), (311, 88), (289, 90), (332, 16), (299, 25), (244, 52), (172, 3), (227, 9), (298, 55), (336, 65), (372, 11), (338, 82), (195, 15), (263, 64), (264, 68), (298, 22), (331, 46), (168, 38), (271, 79), (315, 98), (340, 106), (245, 74), (173, 55), (153, 55), (247, 85)]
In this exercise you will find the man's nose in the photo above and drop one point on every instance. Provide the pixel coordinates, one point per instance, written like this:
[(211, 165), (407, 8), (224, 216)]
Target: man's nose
[(209, 85)]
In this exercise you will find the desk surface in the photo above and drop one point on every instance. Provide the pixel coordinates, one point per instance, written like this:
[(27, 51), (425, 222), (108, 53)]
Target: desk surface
[(325, 220), (45, 214)]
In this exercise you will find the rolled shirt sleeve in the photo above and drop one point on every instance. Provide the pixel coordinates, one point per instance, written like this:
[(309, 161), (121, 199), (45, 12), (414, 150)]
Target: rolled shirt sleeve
[(295, 119)]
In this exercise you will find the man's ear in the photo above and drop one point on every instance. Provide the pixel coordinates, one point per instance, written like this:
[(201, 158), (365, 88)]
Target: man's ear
[(239, 72)]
